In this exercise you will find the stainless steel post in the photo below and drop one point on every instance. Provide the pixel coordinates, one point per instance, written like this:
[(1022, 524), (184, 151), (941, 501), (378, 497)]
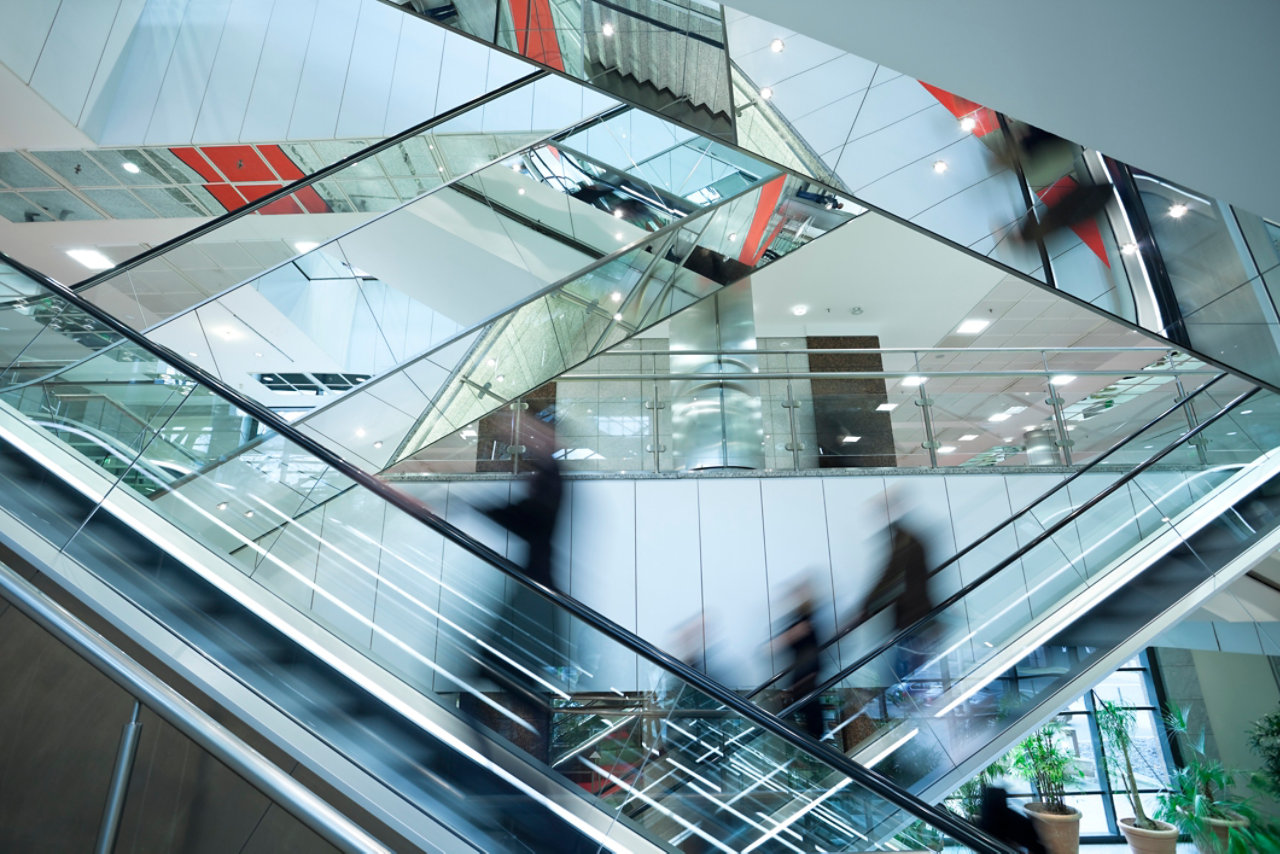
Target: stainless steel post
[(119, 783), (1188, 409)]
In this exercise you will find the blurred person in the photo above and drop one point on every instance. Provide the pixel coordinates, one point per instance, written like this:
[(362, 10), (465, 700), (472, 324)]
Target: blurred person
[(800, 642), (903, 586), (522, 652), (1006, 824), (1048, 164)]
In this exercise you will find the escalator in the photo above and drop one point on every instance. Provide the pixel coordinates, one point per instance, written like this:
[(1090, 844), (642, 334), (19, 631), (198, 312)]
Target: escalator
[(355, 652), (1059, 596)]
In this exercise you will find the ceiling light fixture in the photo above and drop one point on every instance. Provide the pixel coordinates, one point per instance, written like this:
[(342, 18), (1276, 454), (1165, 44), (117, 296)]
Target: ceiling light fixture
[(91, 258), (849, 440), (972, 326), (1000, 416), (968, 123), (886, 407), (777, 45), (1177, 210), (520, 191), (131, 168), (606, 29), (940, 166), (766, 93), (1129, 248), (799, 310), (618, 235), (912, 382), (947, 449), (967, 437), (733, 237), (616, 296), (1062, 379)]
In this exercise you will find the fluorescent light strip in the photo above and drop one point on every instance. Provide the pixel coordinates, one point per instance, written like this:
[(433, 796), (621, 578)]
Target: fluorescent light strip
[(797, 815), (369, 623), (879, 757), (627, 787)]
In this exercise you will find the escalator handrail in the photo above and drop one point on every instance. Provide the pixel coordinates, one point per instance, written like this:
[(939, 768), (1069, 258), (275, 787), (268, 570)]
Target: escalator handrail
[(1062, 484), (186, 717), (872, 781), (904, 633), (307, 180)]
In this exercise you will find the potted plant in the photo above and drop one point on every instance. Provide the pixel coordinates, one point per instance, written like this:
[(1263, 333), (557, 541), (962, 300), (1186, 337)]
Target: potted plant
[(1199, 800), (968, 798), (1264, 740), (1144, 834), (1044, 759)]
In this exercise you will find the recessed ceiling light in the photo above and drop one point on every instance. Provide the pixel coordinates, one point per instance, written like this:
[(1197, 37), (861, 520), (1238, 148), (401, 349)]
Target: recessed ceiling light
[(972, 327), (616, 296), (377, 444), (733, 237), (776, 46), (516, 166), (360, 432), (849, 440), (131, 168), (968, 123), (499, 378), (193, 355), (1129, 248), (799, 310), (248, 514), (1246, 412), (912, 382), (766, 93), (520, 191), (1000, 416), (618, 213), (222, 505), (1028, 428), (1008, 438), (886, 407), (940, 166), (1062, 379), (259, 355), (91, 258), (617, 315), (1177, 210), (967, 437), (606, 29), (305, 246), (947, 449), (618, 235)]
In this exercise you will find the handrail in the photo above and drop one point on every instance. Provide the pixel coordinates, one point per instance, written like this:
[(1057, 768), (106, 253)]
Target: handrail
[(902, 634), (307, 180), (873, 781), (1060, 485), (187, 717)]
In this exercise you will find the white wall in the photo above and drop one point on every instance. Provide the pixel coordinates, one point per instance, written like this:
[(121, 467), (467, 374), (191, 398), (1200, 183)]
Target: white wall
[(163, 72)]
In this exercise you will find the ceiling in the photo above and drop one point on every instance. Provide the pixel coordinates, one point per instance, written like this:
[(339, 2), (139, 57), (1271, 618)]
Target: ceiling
[(1178, 87)]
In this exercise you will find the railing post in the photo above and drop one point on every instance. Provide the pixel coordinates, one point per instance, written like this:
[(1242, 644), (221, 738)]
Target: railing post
[(794, 445), (119, 788), (1055, 400), (1188, 409), (655, 446), (930, 444)]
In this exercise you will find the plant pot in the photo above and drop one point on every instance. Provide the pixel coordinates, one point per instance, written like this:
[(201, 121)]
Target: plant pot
[(1060, 834), (1161, 841), (1216, 831)]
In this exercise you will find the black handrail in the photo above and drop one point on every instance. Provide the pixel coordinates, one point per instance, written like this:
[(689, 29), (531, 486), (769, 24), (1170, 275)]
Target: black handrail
[(904, 633), (1062, 484), (308, 180), (869, 779)]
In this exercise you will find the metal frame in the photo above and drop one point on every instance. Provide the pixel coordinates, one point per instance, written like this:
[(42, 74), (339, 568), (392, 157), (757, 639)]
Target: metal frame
[(187, 718)]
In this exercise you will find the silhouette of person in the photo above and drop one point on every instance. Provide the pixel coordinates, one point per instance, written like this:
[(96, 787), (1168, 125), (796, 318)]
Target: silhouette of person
[(999, 820), (904, 586), (800, 640)]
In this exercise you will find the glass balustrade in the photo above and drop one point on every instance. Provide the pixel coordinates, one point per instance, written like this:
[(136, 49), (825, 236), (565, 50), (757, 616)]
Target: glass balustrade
[(399, 606), (928, 696)]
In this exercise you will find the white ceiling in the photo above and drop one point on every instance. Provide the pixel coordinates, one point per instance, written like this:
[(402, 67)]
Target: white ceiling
[(1179, 87)]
